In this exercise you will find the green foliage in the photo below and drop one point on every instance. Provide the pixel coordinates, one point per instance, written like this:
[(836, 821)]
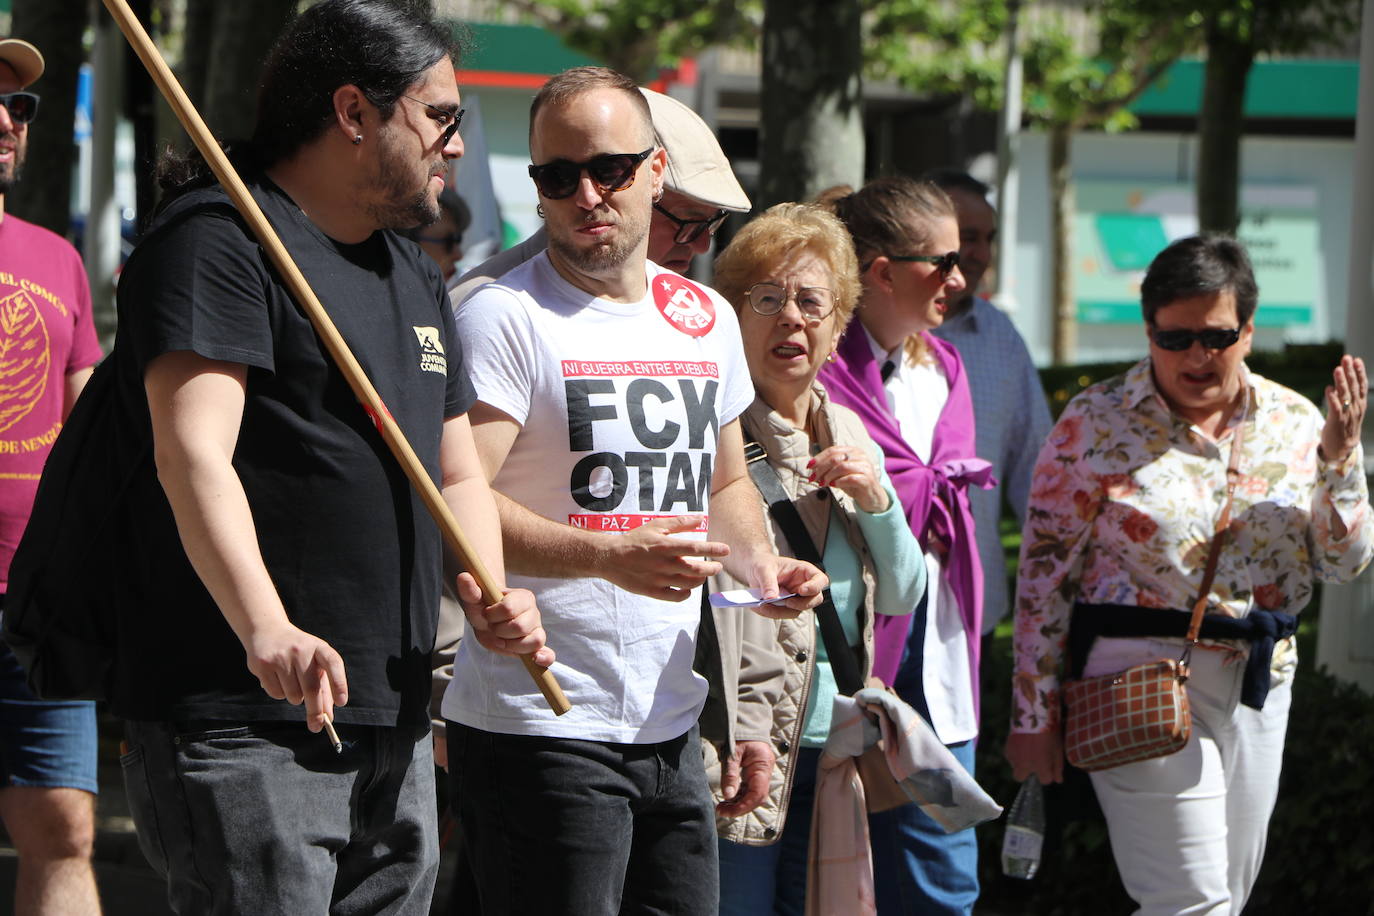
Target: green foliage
[(636, 36), (1083, 66), (1281, 26), (957, 48), (1321, 850)]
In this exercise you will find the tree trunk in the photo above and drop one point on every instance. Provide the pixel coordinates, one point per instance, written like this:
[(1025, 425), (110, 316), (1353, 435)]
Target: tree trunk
[(811, 99), (1220, 125), (1065, 338), (243, 33), (43, 194)]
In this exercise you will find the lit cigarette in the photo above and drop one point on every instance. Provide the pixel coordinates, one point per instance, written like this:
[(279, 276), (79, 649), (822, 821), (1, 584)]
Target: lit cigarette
[(333, 736)]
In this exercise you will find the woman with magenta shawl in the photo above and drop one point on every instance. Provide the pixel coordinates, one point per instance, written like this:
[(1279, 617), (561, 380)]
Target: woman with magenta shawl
[(910, 390)]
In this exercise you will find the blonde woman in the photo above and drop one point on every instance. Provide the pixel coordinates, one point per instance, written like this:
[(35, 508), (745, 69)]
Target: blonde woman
[(792, 277)]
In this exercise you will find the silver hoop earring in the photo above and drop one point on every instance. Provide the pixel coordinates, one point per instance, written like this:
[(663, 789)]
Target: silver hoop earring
[(539, 208), (357, 138)]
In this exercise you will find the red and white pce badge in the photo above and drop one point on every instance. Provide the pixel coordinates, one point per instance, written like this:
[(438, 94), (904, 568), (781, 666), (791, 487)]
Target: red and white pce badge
[(684, 305)]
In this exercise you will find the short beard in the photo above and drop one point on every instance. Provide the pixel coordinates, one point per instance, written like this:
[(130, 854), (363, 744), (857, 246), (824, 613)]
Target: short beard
[(597, 260), (397, 204), (9, 177), (418, 211), (603, 258)]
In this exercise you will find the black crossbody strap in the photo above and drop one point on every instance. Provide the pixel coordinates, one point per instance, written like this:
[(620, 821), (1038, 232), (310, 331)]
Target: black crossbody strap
[(843, 664)]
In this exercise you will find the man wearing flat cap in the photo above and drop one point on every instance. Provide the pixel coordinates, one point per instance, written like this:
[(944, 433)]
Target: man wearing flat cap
[(47, 348)]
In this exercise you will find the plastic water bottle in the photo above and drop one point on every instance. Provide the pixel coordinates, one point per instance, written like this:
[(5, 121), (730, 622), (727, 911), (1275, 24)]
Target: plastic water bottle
[(1025, 831)]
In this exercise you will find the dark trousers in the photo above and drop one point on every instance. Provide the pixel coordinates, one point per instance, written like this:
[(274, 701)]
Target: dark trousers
[(563, 826), (266, 818)]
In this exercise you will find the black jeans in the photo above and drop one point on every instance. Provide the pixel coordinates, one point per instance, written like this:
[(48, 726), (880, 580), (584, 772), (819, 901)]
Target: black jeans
[(563, 826)]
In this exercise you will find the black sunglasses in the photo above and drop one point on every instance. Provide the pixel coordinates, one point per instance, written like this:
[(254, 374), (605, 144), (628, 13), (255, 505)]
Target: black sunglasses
[(944, 263), (610, 172), (22, 106), (450, 119), (689, 230), (1211, 338)]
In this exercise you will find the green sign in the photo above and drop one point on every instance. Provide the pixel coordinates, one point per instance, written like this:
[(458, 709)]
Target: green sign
[(1120, 226)]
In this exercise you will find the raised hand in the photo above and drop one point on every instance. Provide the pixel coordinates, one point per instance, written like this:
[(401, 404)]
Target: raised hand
[(848, 468), (1346, 400)]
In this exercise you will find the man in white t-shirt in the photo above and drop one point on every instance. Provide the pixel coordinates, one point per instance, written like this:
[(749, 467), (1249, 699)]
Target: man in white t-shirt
[(699, 191), (608, 396)]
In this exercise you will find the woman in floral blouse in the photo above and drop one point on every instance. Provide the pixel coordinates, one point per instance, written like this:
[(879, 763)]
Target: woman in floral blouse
[(1124, 499)]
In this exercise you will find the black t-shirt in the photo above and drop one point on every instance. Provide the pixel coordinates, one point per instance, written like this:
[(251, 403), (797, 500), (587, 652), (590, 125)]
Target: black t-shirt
[(350, 548)]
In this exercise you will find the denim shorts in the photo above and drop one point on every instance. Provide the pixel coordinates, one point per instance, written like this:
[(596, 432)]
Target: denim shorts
[(47, 744)]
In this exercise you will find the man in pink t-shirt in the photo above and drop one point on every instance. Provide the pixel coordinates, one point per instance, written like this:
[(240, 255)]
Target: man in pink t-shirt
[(47, 348)]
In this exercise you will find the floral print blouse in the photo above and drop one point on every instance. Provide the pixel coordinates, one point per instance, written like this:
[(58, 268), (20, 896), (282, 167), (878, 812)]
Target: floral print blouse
[(1123, 502)]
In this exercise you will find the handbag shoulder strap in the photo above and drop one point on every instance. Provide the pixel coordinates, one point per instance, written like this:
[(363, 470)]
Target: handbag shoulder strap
[(843, 665), (1218, 538)]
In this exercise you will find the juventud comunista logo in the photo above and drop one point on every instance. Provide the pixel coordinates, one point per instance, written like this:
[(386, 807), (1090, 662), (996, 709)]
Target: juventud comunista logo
[(24, 357)]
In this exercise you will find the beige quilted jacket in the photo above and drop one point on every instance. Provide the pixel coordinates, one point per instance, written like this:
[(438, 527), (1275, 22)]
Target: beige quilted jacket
[(763, 670)]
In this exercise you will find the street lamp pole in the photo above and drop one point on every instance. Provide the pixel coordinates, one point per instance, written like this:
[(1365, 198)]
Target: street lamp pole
[(1008, 171)]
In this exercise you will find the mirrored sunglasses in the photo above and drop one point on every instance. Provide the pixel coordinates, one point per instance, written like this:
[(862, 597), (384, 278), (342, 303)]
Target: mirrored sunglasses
[(1179, 340), (22, 106), (610, 172), (944, 263), (689, 230)]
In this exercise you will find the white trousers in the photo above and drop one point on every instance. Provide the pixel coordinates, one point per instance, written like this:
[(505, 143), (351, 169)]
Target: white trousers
[(1188, 830)]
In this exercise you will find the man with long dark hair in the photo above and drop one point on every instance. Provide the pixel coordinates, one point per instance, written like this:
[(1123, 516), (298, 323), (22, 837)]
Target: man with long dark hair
[(275, 528)]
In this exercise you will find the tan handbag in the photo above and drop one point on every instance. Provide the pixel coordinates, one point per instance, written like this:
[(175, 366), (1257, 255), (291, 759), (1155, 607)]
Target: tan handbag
[(1142, 712)]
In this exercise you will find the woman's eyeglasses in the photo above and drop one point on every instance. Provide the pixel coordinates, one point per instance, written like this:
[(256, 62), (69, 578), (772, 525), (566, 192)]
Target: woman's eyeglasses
[(610, 172), (22, 106), (944, 263), (689, 230), (815, 302), (1210, 338)]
